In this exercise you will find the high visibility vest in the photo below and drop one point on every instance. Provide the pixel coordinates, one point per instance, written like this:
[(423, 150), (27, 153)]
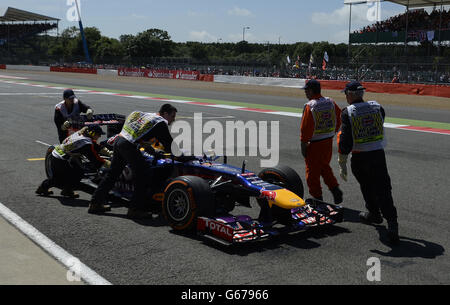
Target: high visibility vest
[(70, 144), (367, 126), (324, 115), (138, 124), (75, 110)]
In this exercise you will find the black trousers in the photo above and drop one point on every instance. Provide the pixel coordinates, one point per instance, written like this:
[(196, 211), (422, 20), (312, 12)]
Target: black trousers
[(66, 175), (126, 153), (371, 172)]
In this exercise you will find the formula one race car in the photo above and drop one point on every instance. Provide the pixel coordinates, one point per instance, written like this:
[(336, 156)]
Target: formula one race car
[(199, 194)]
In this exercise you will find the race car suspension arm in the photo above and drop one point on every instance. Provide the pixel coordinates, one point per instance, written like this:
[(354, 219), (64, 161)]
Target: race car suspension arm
[(217, 184)]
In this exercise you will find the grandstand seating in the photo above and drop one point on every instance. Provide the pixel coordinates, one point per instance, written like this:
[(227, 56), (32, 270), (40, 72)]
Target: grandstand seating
[(19, 31), (422, 26)]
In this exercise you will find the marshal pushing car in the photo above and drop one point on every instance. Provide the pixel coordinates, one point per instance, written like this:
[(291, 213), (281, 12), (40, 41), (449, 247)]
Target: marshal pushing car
[(199, 194)]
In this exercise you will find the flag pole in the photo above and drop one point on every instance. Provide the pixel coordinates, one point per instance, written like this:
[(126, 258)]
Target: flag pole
[(83, 38)]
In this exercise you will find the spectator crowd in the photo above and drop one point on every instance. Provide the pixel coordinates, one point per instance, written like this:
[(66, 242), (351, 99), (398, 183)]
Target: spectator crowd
[(16, 31), (418, 20)]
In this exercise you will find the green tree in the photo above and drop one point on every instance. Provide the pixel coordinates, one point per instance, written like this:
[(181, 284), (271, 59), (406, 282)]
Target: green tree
[(108, 50), (151, 43)]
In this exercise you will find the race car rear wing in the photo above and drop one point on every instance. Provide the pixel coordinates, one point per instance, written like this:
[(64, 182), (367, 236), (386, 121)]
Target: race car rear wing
[(114, 122)]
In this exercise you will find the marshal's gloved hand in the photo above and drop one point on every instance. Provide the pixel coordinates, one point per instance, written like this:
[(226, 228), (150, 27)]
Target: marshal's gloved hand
[(89, 113), (107, 164), (342, 160), (66, 125), (106, 152)]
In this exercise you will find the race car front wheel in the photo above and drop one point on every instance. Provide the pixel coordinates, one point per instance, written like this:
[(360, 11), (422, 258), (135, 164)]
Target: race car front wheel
[(185, 199), (283, 176), (287, 178), (48, 164)]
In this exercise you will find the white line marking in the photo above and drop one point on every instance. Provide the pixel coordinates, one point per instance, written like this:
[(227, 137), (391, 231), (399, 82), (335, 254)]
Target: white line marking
[(28, 93), (240, 108), (43, 143), (64, 257)]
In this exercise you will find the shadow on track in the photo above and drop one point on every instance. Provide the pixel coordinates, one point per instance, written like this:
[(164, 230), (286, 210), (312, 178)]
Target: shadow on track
[(409, 247)]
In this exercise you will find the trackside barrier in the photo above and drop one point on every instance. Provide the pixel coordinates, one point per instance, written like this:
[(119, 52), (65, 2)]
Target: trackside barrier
[(159, 73), (264, 81), (206, 78), (409, 89), (28, 68), (106, 72), (74, 70)]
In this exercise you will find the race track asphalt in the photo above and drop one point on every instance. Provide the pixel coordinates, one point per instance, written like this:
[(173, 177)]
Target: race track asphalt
[(148, 252)]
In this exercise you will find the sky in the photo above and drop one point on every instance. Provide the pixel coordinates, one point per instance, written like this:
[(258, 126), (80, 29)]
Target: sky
[(286, 21)]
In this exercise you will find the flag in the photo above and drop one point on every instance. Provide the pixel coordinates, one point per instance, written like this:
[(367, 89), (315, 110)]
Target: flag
[(325, 61), (288, 59), (311, 61)]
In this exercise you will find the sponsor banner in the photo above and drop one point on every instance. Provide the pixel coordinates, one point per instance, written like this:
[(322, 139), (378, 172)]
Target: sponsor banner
[(188, 75), (159, 73), (131, 72), (3, 67), (73, 70)]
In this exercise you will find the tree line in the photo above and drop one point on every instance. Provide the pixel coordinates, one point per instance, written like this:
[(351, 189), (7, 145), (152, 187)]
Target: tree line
[(155, 45)]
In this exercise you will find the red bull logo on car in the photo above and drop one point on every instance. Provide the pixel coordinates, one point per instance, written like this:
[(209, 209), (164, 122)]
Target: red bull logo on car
[(269, 195)]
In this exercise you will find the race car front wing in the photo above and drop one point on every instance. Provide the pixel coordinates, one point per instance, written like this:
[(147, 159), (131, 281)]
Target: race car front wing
[(229, 230)]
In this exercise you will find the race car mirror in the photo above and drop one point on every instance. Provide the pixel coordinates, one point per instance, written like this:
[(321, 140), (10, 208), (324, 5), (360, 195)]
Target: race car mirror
[(243, 166)]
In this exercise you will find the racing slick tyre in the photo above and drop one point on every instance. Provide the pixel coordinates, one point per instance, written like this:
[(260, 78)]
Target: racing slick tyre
[(48, 164), (287, 178), (284, 176), (185, 199)]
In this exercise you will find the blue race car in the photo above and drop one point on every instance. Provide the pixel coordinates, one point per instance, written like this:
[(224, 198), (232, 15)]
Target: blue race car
[(199, 194)]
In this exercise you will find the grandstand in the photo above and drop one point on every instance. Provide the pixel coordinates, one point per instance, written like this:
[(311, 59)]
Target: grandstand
[(415, 25), (17, 24), (428, 32)]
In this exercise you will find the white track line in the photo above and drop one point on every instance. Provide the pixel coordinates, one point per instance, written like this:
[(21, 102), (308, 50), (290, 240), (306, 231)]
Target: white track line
[(28, 93), (65, 258), (43, 143), (221, 106)]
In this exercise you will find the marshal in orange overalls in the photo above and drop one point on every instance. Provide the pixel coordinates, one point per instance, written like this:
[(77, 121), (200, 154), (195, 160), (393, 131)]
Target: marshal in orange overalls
[(320, 122)]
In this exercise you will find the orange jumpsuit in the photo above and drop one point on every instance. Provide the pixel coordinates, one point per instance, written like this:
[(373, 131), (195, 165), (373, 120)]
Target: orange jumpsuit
[(320, 143)]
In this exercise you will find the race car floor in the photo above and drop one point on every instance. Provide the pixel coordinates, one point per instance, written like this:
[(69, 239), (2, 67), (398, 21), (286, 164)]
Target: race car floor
[(123, 251)]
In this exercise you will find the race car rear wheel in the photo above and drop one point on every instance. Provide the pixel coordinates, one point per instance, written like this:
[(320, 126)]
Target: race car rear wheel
[(185, 199), (284, 176), (48, 164)]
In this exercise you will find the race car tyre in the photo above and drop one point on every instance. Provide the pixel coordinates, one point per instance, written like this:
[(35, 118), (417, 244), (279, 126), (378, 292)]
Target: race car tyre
[(185, 199), (48, 165), (287, 178), (284, 176)]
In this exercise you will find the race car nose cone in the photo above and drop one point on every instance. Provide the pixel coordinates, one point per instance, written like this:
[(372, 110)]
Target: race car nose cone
[(285, 199)]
